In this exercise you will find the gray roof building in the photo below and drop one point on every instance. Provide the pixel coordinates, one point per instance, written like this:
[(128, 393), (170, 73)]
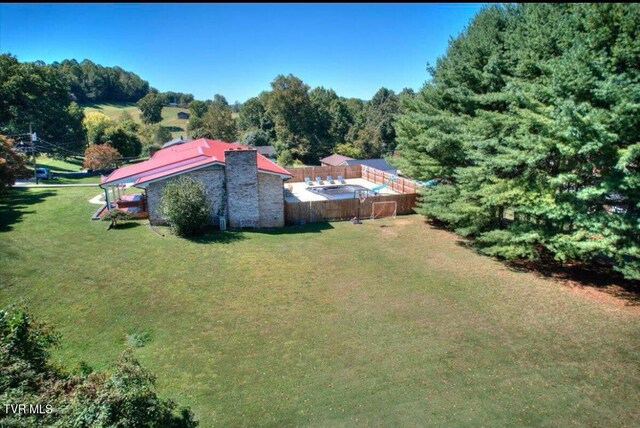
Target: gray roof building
[(179, 140), (380, 164)]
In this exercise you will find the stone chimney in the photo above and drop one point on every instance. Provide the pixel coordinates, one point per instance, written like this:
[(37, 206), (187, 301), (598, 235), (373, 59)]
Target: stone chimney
[(242, 187)]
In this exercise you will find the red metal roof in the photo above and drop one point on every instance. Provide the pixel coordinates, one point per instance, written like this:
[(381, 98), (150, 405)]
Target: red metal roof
[(183, 157)]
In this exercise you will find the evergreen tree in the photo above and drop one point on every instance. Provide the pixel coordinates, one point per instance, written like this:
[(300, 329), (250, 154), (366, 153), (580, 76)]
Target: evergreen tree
[(530, 124)]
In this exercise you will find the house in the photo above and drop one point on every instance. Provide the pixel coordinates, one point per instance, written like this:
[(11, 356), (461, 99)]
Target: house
[(334, 160), (183, 115), (267, 151), (340, 160), (179, 140), (244, 187)]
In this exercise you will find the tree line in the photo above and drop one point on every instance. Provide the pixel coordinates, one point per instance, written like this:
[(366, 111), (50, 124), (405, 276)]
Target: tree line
[(304, 124), (531, 125), (94, 83)]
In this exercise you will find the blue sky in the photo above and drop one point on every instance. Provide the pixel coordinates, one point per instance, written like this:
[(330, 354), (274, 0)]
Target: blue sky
[(238, 49)]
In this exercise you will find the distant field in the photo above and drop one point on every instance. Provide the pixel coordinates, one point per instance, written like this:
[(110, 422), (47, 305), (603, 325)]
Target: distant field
[(177, 126)]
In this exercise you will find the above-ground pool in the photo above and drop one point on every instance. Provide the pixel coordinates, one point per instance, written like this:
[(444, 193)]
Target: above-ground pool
[(342, 191)]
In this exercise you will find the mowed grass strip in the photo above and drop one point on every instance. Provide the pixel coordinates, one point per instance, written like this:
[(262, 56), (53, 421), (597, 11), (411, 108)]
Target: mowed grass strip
[(71, 164), (390, 322)]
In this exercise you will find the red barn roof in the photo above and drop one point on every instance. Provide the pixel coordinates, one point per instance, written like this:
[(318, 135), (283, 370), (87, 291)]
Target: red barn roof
[(177, 159)]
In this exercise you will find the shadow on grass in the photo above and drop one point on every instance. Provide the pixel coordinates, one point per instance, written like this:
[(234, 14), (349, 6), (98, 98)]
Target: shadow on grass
[(124, 226), (294, 230), (14, 203), (175, 128), (215, 236), (100, 106), (597, 275)]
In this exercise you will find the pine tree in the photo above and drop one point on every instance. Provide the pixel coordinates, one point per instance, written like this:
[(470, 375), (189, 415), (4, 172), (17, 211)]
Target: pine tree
[(531, 125)]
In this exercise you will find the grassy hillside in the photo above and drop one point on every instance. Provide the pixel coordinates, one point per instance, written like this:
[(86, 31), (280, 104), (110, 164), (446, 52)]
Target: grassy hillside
[(388, 323), (170, 119)]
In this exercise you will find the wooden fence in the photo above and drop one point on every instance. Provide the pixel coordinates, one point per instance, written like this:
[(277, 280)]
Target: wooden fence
[(346, 171), (401, 185), (296, 213)]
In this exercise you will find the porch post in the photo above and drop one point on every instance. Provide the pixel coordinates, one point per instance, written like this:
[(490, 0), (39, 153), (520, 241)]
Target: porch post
[(106, 196)]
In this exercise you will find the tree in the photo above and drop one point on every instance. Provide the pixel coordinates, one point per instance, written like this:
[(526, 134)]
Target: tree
[(100, 156), (377, 138), (94, 83), (150, 108), (127, 123), (220, 100), (218, 123), (529, 113), (12, 163), (197, 108), (284, 158), (341, 121), (251, 115), (290, 107), (95, 123), (196, 127), (321, 122), (185, 205), (123, 140), (255, 138), (350, 150), (153, 137), (37, 96), (179, 98)]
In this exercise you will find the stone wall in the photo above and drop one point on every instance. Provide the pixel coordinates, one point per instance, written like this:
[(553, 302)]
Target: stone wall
[(242, 188), (271, 200), (213, 179), (252, 198)]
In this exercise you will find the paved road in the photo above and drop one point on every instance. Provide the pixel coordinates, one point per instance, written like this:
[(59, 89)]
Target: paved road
[(25, 184)]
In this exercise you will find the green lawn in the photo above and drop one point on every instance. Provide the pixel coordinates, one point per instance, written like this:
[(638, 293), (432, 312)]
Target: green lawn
[(59, 179), (388, 323), (71, 164), (59, 165), (177, 126)]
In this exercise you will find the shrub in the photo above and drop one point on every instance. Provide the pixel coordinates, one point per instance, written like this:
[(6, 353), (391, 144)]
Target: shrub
[(12, 163), (123, 396), (184, 204), (100, 156), (114, 216), (285, 158), (138, 339)]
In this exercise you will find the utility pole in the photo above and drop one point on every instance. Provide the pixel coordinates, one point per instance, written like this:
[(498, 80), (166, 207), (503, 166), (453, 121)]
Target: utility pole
[(33, 153)]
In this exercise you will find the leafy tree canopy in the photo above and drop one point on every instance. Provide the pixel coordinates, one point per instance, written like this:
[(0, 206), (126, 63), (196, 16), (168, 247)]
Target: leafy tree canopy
[(12, 163), (150, 108)]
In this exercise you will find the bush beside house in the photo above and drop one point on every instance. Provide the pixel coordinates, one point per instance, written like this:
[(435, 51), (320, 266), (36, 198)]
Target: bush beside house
[(185, 205)]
